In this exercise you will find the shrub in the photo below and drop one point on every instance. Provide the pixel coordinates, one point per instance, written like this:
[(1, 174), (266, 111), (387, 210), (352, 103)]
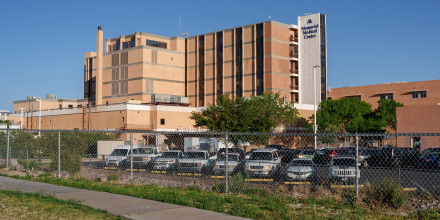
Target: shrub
[(388, 192)]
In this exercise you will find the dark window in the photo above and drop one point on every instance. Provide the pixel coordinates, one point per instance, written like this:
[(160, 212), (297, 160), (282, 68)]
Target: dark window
[(61, 106), (124, 45), (219, 63), (132, 44), (423, 94), (201, 70), (118, 47), (153, 43), (260, 59), (390, 96), (70, 106), (162, 121), (80, 106), (382, 96), (239, 61), (415, 95)]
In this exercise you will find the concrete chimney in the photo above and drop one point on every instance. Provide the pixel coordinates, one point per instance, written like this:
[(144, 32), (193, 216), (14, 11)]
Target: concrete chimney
[(99, 49)]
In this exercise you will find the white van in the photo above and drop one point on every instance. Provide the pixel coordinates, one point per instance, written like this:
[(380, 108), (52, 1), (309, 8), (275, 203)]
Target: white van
[(119, 156)]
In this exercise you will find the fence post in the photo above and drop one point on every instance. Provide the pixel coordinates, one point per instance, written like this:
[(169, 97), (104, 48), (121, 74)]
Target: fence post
[(226, 165), (7, 149), (59, 153), (357, 165), (131, 156)]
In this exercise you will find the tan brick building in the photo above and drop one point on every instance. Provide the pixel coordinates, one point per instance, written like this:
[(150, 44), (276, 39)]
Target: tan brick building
[(420, 114), (168, 77)]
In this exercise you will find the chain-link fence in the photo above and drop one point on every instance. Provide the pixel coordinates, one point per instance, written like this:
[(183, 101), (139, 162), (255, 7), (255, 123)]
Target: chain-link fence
[(231, 162)]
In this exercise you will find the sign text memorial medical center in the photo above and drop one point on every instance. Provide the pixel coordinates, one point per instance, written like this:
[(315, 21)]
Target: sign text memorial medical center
[(310, 31)]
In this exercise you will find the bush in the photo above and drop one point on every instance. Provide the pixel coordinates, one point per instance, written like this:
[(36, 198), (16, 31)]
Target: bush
[(73, 146), (389, 192), (237, 184)]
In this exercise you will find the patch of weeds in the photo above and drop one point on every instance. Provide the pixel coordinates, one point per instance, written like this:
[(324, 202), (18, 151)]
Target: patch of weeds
[(112, 177), (388, 192), (44, 175)]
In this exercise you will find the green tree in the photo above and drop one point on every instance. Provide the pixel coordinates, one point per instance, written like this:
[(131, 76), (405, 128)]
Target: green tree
[(353, 115), (254, 114), (7, 122), (73, 146), (386, 111), (342, 116)]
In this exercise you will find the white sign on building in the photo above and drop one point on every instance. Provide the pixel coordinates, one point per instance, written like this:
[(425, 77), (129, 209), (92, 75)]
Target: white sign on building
[(312, 51)]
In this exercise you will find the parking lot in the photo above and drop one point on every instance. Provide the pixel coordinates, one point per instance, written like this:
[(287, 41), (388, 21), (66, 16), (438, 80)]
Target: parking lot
[(412, 179)]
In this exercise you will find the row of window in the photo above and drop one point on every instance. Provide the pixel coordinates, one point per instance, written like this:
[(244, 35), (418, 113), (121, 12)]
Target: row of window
[(154, 43), (389, 96), (132, 43), (415, 95)]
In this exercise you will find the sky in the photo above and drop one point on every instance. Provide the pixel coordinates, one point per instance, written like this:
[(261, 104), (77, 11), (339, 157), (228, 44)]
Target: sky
[(368, 42)]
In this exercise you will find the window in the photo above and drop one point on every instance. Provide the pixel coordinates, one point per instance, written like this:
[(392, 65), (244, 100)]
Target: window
[(132, 44), (106, 103), (260, 58), (239, 61), (118, 47), (61, 106), (123, 119), (423, 94), (415, 95), (415, 142), (162, 121), (149, 86), (70, 106), (124, 45), (153, 43), (80, 106), (382, 96), (201, 70), (390, 96)]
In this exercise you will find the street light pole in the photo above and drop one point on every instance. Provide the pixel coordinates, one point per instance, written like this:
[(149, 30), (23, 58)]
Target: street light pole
[(39, 118), (314, 103)]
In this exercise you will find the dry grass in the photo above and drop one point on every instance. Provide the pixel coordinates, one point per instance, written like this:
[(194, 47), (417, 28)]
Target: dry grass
[(17, 205)]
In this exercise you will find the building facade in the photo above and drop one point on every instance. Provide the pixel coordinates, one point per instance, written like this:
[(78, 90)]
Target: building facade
[(166, 78), (243, 61), (420, 113)]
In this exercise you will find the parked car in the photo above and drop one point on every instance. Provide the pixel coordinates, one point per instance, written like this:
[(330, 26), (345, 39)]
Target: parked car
[(234, 163), (343, 169), (143, 156), (231, 150), (431, 150), (324, 156), (286, 154), (306, 153), (429, 161), (263, 163), (248, 154), (119, 156), (193, 162), (301, 170), (167, 161), (401, 157), (371, 157)]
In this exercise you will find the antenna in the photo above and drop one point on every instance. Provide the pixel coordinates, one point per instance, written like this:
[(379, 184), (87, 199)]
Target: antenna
[(180, 28)]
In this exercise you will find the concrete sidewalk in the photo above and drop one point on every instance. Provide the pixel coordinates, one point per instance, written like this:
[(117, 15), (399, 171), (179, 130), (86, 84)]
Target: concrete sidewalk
[(120, 205)]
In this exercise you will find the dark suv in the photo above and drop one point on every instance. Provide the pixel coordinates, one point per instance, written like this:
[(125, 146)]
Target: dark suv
[(400, 156)]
